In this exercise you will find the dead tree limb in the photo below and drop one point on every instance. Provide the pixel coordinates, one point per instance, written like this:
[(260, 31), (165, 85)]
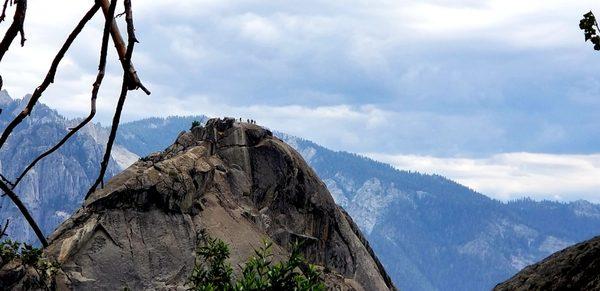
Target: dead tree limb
[(131, 81), (15, 199), (3, 16), (127, 81), (50, 75), (32, 101), (95, 89), (15, 27), (122, 51)]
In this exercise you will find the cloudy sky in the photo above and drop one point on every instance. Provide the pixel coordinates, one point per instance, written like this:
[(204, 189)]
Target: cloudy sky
[(501, 95)]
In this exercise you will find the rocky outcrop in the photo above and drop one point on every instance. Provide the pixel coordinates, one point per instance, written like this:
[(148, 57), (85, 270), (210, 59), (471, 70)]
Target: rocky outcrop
[(574, 268), (234, 181)]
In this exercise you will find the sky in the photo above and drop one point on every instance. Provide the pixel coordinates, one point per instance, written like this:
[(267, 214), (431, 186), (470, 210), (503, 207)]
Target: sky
[(500, 95)]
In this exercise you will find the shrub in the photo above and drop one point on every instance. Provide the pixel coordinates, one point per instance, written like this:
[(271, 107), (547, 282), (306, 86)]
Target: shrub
[(212, 272), (30, 257), (8, 251)]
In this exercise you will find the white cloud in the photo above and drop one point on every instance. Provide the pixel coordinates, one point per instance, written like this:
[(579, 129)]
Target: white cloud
[(258, 28), (434, 77), (514, 175)]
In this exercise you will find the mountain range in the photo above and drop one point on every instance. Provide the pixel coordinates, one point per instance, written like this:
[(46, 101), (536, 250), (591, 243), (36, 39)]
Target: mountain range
[(430, 233)]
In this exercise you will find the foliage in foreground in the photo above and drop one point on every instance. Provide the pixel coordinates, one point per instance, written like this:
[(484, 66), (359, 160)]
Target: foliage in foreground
[(32, 257), (213, 272)]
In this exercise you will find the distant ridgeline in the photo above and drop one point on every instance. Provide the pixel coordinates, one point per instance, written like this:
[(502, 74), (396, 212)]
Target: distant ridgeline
[(430, 232)]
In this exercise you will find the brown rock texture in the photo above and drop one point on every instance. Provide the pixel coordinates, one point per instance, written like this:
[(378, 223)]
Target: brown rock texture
[(232, 180), (574, 268)]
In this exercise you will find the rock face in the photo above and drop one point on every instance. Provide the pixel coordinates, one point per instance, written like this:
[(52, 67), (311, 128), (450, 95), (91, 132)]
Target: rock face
[(574, 268), (234, 181)]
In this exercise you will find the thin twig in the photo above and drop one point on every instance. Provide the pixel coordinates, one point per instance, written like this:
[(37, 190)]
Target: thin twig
[(50, 76), (95, 89), (15, 199), (124, 90)]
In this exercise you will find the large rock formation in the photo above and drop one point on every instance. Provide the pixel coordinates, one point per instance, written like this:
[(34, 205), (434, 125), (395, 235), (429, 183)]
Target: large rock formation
[(574, 268), (234, 181)]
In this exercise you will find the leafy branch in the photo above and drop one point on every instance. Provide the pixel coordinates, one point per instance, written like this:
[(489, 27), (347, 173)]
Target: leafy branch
[(590, 28)]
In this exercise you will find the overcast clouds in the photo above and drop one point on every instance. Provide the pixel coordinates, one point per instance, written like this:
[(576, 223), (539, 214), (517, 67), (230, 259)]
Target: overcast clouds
[(467, 80)]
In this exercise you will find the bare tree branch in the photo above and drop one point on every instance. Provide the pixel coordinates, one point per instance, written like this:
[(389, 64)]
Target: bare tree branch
[(127, 81), (7, 181), (15, 199), (131, 81), (21, 8), (3, 16), (122, 51), (15, 27), (95, 89), (50, 76)]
